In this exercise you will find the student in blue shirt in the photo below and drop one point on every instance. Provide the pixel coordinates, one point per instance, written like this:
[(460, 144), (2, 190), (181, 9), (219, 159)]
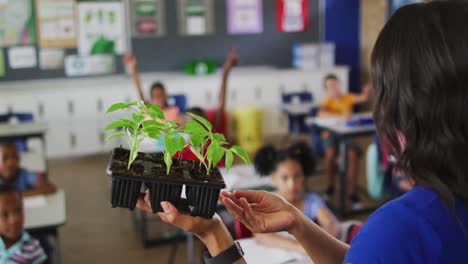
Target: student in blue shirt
[(420, 77), (23, 180)]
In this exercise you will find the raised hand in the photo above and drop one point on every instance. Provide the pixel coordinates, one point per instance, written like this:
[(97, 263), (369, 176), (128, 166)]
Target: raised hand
[(232, 59), (260, 211), (130, 62)]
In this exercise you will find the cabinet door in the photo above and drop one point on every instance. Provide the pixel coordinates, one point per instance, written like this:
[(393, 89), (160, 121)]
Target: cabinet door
[(58, 139), (53, 106)]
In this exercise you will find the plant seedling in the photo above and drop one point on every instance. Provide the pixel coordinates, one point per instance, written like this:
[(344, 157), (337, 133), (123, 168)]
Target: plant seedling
[(202, 138), (140, 127)]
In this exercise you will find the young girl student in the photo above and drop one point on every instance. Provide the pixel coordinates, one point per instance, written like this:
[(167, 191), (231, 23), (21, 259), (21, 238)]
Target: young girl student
[(420, 77), (288, 169)]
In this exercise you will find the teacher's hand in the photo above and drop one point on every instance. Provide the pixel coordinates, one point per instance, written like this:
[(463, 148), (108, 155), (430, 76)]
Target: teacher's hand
[(260, 211), (197, 225)]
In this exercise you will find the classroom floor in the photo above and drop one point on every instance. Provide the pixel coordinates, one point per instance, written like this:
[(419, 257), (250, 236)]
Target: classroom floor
[(96, 233)]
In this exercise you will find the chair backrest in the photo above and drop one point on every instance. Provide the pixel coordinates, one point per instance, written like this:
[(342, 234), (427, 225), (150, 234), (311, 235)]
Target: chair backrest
[(179, 100), (22, 118), (304, 97)]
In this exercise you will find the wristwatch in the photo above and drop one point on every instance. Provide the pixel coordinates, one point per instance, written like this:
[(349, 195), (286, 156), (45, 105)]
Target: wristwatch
[(230, 255)]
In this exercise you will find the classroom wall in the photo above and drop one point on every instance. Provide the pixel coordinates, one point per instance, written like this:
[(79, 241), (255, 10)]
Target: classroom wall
[(169, 52)]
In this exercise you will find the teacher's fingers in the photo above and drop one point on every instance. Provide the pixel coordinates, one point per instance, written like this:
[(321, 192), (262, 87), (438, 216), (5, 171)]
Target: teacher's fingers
[(250, 196), (237, 211), (144, 204), (172, 216)]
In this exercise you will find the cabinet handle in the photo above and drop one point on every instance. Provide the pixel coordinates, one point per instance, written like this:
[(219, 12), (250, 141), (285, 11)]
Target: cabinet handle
[(258, 93), (40, 110), (99, 105), (71, 107), (72, 140)]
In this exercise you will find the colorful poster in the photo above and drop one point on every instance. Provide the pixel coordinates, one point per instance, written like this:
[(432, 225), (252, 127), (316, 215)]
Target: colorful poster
[(2, 63), (147, 18), (22, 57), (292, 15), (196, 17), (101, 28), (51, 58), (76, 65), (17, 23), (244, 16), (56, 23)]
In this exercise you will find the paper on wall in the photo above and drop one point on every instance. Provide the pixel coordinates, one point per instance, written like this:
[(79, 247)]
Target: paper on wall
[(22, 57), (56, 23), (101, 28), (196, 25), (76, 65), (37, 201), (51, 58), (17, 23), (244, 16)]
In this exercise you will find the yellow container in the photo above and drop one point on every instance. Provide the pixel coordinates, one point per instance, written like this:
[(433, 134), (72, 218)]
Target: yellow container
[(249, 128)]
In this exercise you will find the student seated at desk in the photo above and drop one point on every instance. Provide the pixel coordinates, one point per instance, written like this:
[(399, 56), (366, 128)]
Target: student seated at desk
[(340, 105), (288, 169), (23, 180), (16, 245)]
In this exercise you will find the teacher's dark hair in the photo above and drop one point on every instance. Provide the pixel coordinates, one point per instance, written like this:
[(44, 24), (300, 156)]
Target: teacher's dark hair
[(420, 76)]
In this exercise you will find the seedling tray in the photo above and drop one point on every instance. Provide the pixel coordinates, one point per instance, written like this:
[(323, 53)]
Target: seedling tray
[(148, 170)]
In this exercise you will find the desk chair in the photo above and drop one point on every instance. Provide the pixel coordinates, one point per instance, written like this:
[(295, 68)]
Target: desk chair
[(297, 106), (22, 118)]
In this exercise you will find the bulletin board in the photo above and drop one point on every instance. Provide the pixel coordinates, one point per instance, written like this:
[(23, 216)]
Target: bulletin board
[(171, 49)]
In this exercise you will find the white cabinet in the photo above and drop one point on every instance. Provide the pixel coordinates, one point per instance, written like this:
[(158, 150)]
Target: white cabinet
[(74, 108)]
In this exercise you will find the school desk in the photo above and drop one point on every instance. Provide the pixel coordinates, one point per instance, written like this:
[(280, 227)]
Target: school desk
[(344, 132)]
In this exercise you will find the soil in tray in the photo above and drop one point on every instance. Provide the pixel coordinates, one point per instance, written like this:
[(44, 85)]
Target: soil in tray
[(152, 165)]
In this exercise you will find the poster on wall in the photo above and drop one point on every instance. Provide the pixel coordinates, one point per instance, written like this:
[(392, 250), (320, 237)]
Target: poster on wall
[(76, 65), (292, 15), (22, 57), (395, 4), (51, 58), (101, 28), (55, 21), (196, 17), (244, 16), (147, 18), (17, 23), (2, 63)]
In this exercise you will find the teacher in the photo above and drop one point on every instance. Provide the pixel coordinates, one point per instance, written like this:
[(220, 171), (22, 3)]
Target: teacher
[(420, 76)]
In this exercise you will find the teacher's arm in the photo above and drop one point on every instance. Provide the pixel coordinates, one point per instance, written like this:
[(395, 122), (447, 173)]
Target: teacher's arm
[(212, 232), (265, 212)]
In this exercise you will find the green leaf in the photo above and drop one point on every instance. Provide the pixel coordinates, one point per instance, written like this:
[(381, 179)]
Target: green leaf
[(118, 134), (215, 154), (173, 144), (151, 130), (155, 112), (197, 154), (168, 161), (137, 117), (116, 107), (148, 123), (202, 120), (155, 136), (219, 137), (229, 160), (121, 123), (241, 153), (193, 127), (196, 140)]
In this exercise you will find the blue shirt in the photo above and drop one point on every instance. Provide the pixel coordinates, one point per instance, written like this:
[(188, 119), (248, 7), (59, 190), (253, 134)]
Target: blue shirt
[(312, 204), (24, 180), (415, 228)]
